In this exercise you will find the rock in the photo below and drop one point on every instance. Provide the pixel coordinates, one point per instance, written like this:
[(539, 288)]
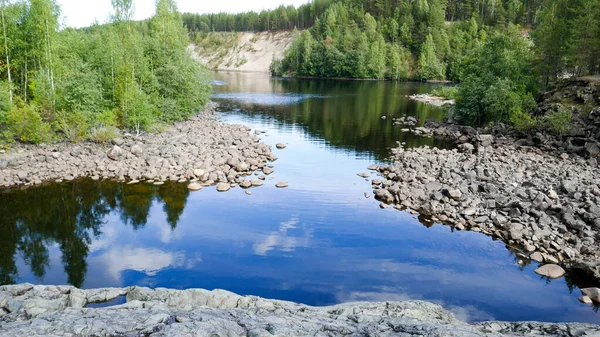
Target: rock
[(245, 184), (115, 153), (223, 187), (384, 195), (364, 175), (248, 192), (455, 194), (282, 185), (194, 187), (466, 147), (118, 141), (551, 271), (280, 146), (268, 171), (485, 140), (137, 150), (367, 195), (585, 300), (592, 293), (552, 194), (199, 312), (256, 182), (373, 167), (537, 256)]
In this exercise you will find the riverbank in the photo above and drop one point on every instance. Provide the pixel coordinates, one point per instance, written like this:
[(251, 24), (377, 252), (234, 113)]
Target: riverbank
[(546, 205), (201, 149), (28, 310)]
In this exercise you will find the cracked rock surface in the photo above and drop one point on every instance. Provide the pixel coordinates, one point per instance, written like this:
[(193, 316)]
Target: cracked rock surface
[(28, 310)]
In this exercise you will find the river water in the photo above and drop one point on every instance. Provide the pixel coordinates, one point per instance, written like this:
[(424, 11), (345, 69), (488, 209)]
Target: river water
[(318, 242)]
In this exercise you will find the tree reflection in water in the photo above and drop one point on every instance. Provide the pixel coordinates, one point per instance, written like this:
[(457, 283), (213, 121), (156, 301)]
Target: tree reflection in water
[(71, 215)]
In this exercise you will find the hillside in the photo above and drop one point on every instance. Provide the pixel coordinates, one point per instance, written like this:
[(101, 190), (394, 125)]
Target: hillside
[(249, 52)]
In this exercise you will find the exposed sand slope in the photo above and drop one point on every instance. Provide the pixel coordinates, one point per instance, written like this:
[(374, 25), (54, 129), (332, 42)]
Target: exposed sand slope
[(251, 52)]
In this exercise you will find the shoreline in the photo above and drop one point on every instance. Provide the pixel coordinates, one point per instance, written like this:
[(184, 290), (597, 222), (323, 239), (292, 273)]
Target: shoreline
[(202, 149), (29, 310), (543, 202)]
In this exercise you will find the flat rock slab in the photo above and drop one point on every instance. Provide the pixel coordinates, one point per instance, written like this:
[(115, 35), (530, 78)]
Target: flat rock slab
[(58, 311), (282, 185), (552, 271), (281, 146)]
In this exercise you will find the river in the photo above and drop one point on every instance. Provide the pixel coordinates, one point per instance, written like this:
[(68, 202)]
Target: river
[(318, 242)]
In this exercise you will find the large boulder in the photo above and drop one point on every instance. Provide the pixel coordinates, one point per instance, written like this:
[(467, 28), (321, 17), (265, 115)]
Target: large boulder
[(551, 271)]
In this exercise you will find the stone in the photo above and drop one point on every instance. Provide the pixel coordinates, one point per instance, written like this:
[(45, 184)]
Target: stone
[(223, 187), (194, 187), (363, 175), (248, 192), (455, 194), (199, 172), (384, 195), (280, 146), (115, 153), (585, 300), (592, 293), (537, 256), (373, 167), (257, 182), (367, 195), (282, 185), (137, 150), (245, 184), (551, 271), (268, 170)]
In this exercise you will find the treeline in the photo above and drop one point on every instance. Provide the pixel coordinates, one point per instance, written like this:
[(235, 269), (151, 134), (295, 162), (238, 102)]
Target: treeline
[(281, 18), (79, 84), (414, 42), (500, 64), (305, 16)]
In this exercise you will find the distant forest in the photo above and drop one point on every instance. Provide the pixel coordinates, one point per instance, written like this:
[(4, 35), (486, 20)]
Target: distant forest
[(502, 52)]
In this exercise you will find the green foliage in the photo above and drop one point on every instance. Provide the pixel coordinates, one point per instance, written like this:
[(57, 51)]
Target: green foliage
[(558, 122), (76, 84), (446, 92), (429, 65), (500, 82), (26, 123)]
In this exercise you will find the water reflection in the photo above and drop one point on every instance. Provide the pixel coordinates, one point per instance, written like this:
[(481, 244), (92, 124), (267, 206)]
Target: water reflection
[(317, 242), (71, 215), (347, 114)]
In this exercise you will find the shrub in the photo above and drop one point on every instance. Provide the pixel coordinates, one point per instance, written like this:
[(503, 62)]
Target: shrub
[(27, 125), (446, 92), (73, 125)]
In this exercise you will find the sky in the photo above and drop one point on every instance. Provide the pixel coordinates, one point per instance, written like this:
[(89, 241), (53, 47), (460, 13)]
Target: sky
[(81, 13)]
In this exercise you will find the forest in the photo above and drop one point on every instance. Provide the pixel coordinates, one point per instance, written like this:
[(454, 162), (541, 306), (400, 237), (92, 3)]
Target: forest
[(61, 83), (502, 52)]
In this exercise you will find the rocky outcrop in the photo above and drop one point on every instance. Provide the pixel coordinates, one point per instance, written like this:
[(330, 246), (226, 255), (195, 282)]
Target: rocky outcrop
[(202, 149), (547, 205), (28, 310)]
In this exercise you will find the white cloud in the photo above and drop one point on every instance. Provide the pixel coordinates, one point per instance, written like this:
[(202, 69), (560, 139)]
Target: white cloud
[(282, 240), (148, 261)]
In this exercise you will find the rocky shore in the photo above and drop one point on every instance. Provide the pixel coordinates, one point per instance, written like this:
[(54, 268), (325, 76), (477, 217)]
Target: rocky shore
[(27, 310), (544, 204), (202, 150), (432, 100)]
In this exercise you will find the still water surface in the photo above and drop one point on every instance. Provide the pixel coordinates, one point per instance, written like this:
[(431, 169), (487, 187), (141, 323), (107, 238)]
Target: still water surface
[(317, 242)]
